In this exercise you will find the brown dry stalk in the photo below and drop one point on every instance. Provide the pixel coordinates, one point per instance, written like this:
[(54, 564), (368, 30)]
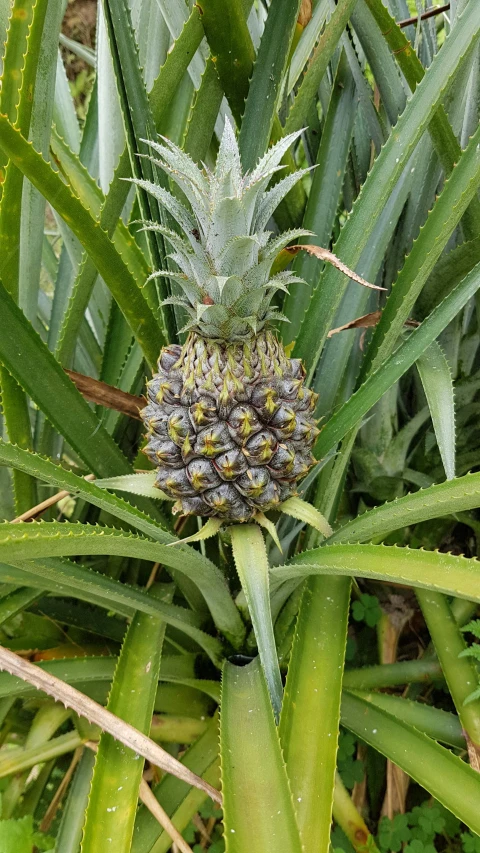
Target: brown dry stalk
[(149, 799), (108, 722), (423, 17), (37, 510), (107, 395), (49, 815)]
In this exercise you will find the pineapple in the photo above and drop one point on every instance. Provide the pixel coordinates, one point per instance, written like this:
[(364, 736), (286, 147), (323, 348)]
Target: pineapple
[(230, 423)]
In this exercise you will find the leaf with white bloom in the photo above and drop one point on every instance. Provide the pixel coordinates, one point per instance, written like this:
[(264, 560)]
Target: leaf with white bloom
[(273, 197), (137, 484), (273, 156)]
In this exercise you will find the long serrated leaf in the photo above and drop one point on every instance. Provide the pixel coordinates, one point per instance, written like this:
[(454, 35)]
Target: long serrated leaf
[(265, 85), (309, 721), (444, 217), (443, 137), (258, 809), (325, 191), (63, 577), (114, 794), (425, 569), (450, 497), (231, 48), (381, 180), (252, 566), (50, 539), (36, 370), (57, 475), (435, 768), (102, 251), (396, 365), (318, 64), (436, 723), (437, 383)]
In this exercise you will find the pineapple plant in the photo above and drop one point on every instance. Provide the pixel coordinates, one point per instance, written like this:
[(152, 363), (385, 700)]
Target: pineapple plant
[(230, 422)]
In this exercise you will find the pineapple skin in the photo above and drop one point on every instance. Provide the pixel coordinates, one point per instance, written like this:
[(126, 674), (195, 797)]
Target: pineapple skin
[(230, 426)]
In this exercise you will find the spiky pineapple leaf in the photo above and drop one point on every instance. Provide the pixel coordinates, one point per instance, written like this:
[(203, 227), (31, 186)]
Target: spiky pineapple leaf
[(453, 496), (102, 251), (50, 539), (450, 574), (396, 365), (381, 180), (424, 760), (253, 770)]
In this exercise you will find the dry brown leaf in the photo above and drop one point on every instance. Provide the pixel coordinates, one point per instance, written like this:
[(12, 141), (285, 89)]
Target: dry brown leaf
[(107, 395), (329, 257), (108, 722)]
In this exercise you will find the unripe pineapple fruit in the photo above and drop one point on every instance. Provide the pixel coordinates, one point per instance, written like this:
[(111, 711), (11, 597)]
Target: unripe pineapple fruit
[(230, 423)]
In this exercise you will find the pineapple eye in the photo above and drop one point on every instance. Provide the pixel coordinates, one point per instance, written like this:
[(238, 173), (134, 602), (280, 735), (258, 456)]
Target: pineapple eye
[(212, 441), (243, 421), (202, 475), (229, 465), (260, 448)]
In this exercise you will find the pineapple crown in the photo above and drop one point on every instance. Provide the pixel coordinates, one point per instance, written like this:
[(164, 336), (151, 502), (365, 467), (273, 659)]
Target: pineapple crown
[(225, 254)]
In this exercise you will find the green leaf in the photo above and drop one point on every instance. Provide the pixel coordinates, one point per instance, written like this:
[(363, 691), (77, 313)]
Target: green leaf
[(443, 137), (31, 363), (444, 775), (139, 128), (62, 577), (324, 196), (264, 90), (259, 814), (437, 724), (311, 705), (70, 831), (56, 475), (179, 800), (445, 215), (317, 66), (231, 47), (437, 383), (434, 502), (136, 484), (95, 241), (426, 569), (350, 414), (380, 182), (19, 760), (304, 511), (251, 561), (26, 541), (17, 836), (118, 772), (461, 673)]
